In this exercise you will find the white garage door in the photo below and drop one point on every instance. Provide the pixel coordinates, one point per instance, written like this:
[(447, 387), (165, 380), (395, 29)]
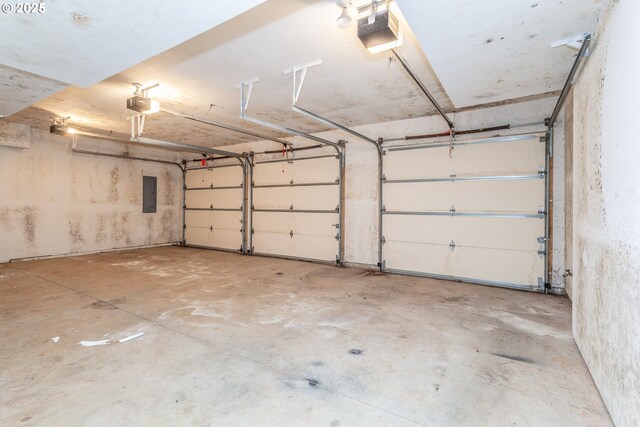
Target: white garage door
[(471, 212), (213, 207), (296, 208)]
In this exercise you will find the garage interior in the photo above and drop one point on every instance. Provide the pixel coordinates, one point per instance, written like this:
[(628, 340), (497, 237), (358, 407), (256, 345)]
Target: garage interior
[(318, 212)]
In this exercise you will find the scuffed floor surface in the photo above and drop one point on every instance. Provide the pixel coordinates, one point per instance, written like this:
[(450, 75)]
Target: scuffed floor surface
[(244, 341)]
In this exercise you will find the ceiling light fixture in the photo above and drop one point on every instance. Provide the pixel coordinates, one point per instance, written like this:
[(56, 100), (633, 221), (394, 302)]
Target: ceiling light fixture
[(59, 126), (141, 102), (344, 20)]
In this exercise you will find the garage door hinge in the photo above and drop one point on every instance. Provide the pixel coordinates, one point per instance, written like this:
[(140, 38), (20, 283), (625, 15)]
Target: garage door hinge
[(384, 209), (384, 240), (291, 234), (338, 180), (291, 182), (542, 240), (452, 175), (291, 207), (541, 172), (541, 251), (337, 208), (211, 228), (252, 231), (184, 225), (541, 211), (452, 209), (211, 206), (338, 236), (543, 139), (211, 186), (542, 285), (384, 178), (452, 245)]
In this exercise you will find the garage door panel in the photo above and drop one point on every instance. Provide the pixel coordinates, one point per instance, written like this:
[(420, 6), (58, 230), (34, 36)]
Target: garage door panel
[(300, 223), (300, 246), (199, 178), (271, 222), (227, 198), (315, 224), (498, 233), (522, 196), (218, 177), (217, 219), (314, 198), (222, 239), (493, 265), (326, 169), (507, 158), (272, 173)]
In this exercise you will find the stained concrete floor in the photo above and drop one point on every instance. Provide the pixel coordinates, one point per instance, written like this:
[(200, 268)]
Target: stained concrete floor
[(237, 341)]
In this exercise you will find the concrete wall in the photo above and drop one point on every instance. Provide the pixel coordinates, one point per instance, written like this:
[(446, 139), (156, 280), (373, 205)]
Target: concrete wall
[(55, 202), (361, 222), (606, 212)]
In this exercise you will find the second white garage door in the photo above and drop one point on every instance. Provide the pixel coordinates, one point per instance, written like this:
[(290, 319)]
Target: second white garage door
[(296, 208)]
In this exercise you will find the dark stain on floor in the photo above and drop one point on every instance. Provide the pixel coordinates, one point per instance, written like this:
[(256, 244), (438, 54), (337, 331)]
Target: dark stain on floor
[(355, 351), (312, 382), (373, 273), (107, 305), (516, 358)]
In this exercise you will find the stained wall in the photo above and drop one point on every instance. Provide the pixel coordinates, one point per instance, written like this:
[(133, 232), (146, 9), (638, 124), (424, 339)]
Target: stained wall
[(55, 202)]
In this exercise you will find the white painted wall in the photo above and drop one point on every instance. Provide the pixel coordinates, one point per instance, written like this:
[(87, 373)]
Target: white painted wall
[(361, 222), (54, 202), (606, 214)]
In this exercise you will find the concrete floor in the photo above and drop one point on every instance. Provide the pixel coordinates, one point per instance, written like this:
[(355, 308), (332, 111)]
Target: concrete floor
[(235, 341)]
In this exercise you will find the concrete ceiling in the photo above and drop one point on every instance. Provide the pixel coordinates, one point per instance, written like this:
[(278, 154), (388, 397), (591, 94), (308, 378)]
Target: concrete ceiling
[(351, 86), (80, 43), (200, 76), (489, 51)]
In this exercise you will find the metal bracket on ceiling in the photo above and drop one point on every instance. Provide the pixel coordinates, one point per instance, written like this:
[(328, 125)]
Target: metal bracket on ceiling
[(298, 82), (245, 95), (574, 42)]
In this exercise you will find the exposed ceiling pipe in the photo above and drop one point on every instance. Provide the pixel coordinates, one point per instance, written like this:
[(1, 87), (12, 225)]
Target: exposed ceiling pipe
[(441, 134), (227, 127), (156, 143), (245, 95), (424, 89), (328, 122)]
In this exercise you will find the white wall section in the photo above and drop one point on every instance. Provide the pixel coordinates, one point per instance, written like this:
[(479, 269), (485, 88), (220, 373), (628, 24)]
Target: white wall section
[(606, 229), (54, 202)]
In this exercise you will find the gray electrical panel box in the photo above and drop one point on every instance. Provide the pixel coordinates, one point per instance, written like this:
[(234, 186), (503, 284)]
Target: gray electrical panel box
[(149, 194)]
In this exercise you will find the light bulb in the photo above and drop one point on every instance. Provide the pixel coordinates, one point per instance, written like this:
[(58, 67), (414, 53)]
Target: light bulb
[(344, 20)]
